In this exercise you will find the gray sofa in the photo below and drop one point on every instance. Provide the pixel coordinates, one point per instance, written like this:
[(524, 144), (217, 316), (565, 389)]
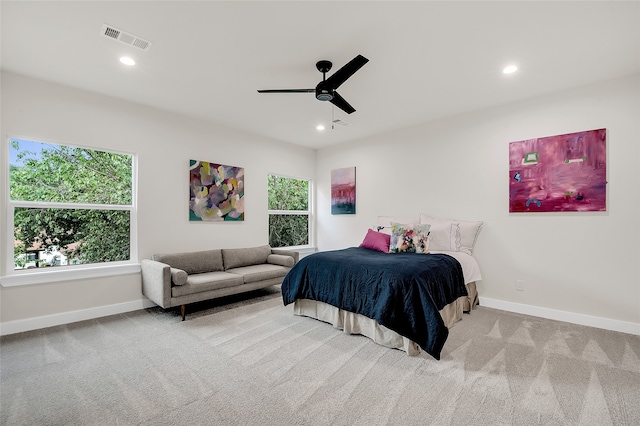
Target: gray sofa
[(177, 279)]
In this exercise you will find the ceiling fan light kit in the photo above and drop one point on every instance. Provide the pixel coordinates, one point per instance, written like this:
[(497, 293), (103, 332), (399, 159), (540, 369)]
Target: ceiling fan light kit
[(326, 89)]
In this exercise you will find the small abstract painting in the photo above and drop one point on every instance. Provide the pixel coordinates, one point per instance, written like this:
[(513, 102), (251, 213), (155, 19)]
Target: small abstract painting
[(564, 173), (216, 192), (343, 191)]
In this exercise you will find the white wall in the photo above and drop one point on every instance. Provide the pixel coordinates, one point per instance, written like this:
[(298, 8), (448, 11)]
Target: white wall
[(580, 267), (576, 266), (164, 144)]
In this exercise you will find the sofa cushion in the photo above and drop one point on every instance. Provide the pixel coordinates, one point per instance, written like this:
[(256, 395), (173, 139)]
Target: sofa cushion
[(193, 262), (254, 273), (178, 276), (235, 258), (281, 259), (206, 281)]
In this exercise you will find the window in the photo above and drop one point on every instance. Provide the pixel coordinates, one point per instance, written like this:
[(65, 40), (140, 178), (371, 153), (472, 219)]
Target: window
[(69, 205), (289, 212)]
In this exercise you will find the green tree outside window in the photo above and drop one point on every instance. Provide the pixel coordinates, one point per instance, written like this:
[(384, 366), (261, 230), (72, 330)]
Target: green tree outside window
[(75, 202), (288, 211)]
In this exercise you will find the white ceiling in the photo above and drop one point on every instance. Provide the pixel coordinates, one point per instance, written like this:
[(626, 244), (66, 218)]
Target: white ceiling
[(428, 59)]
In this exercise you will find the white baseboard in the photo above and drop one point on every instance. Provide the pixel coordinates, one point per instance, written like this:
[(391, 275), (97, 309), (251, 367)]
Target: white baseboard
[(28, 324), (18, 326), (588, 320)]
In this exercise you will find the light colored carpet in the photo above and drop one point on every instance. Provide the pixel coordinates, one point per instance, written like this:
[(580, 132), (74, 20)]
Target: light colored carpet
[(251, 362)]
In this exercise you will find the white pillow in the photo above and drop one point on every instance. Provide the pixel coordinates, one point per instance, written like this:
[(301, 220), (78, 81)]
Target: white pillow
[(468, 231), (444, 233), (468, 234), (388, 221)]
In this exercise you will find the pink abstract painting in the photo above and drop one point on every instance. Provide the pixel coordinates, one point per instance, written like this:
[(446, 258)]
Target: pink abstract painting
[(343, 191), (564, 173)]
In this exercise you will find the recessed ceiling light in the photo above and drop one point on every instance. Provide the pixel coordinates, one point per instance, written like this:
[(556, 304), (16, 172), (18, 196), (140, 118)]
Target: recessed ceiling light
[(320, 127), (127, 61), (510, 69)]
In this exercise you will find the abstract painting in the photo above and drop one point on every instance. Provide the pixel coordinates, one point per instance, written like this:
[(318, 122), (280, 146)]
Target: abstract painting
[(564, 173), (343, 191), (216, 192)]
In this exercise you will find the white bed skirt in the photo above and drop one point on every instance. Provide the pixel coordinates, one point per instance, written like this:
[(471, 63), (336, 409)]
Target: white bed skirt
[(352, 323)]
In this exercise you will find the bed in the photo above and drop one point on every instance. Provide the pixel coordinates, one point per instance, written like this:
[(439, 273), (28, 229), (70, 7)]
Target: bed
[(403, 300)]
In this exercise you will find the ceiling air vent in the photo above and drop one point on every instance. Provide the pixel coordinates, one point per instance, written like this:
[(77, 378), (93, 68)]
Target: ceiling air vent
[(125, 37), (338, 122)]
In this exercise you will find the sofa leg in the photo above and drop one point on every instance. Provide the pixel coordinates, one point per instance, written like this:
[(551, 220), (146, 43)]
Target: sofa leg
[(183, 311)]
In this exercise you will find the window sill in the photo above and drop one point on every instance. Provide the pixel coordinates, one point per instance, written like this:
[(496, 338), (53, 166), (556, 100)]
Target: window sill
[(29, 277), (303, 250)]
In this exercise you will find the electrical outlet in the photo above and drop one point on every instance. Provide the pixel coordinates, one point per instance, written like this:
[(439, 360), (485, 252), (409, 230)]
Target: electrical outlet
[(520, 285)]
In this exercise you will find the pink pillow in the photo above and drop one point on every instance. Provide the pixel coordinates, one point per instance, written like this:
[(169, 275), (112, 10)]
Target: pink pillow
[(376, 241)]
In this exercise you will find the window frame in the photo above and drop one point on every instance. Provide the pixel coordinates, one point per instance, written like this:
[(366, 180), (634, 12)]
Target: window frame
[(309, 212), (16, 277)]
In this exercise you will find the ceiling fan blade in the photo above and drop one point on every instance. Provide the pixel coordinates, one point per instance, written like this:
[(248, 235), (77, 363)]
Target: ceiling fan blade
[(340, 76), (341, 103), (287, 91)]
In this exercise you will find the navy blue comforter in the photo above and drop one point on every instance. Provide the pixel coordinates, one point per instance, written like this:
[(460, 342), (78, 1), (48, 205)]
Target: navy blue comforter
[(403, 291)]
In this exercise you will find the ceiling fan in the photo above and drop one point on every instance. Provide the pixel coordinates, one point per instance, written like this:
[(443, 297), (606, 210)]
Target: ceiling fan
[(326, 89)]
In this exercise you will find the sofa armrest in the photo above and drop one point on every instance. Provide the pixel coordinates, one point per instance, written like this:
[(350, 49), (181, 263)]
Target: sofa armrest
[(156, 282), (292, 253)]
